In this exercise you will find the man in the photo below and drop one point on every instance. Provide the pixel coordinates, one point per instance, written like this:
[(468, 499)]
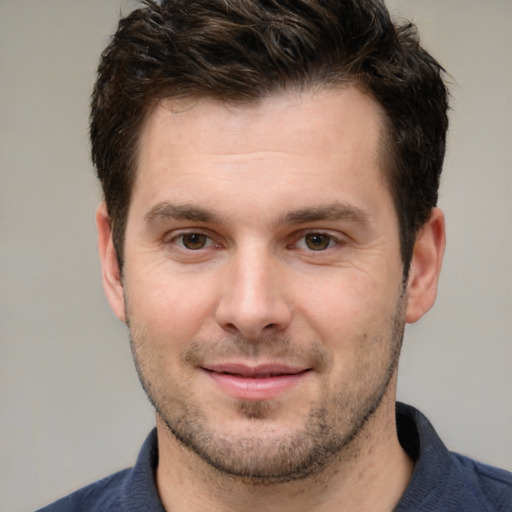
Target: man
[(270, 174)]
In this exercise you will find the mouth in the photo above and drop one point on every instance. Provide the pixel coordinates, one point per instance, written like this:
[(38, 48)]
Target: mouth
[(255, 383)]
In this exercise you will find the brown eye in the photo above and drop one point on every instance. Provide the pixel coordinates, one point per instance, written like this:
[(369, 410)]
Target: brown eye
[(194, 241), (317, 241)]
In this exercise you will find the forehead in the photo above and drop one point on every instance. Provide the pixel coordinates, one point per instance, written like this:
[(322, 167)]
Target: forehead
[(308, 113), (293, 144)]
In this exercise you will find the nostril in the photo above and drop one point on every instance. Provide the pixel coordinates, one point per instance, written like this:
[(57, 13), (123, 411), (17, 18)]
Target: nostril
[(230, 328), (269, 326)]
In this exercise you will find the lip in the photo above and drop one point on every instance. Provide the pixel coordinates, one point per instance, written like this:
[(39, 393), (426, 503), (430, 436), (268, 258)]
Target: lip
[(255, 383)]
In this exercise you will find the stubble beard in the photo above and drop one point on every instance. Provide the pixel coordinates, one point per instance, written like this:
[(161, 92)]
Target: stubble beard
[(328, 434)]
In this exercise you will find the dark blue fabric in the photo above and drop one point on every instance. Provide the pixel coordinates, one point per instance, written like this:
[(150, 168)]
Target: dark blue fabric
[(128, 490), (442, 481)]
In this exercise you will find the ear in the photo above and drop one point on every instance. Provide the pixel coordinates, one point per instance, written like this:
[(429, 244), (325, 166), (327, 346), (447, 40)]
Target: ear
[(111, 274), (425, 266)]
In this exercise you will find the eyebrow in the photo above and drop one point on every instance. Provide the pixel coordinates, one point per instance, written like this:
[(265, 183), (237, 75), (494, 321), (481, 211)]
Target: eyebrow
[(165, 210), (333, 211)]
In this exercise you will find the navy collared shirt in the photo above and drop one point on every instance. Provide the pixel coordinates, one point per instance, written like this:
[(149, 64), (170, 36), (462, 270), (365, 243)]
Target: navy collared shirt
[(442, 481)]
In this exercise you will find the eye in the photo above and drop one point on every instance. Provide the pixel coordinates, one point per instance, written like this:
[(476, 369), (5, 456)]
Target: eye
[(193, 241), (316, 242)]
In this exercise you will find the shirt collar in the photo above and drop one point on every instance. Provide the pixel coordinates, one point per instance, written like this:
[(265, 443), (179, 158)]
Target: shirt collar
[(416, 435)]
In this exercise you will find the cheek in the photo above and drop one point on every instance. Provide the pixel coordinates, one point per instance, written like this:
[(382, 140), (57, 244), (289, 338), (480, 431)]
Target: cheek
[(354, 320), (352, 303), (170, 307)]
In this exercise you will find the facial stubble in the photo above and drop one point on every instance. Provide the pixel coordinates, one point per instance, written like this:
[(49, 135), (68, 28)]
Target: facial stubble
[(328, 433)]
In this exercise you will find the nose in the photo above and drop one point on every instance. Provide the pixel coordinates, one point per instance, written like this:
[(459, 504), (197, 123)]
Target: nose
[(253, 297)]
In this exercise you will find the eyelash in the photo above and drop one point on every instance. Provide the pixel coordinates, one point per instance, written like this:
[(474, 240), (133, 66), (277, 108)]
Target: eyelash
[(331, 240), (179, 240)]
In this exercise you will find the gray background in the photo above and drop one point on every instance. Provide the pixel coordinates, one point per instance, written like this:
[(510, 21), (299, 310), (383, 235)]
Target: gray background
[(71, 407)]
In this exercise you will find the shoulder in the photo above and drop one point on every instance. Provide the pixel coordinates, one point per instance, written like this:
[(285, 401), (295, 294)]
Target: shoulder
[(103, 495), (131, 490), (490, 485), (444, 481)]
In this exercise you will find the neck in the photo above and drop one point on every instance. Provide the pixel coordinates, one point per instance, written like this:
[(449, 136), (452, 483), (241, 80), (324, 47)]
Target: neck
[(370, 474)]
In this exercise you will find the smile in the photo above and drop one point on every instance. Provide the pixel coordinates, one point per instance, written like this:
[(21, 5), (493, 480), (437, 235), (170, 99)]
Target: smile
[(259, 383)]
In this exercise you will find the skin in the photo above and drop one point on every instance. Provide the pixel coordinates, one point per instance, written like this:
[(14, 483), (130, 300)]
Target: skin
[(262, 238)]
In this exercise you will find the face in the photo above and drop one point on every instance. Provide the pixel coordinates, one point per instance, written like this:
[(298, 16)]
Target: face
[(262, 281)]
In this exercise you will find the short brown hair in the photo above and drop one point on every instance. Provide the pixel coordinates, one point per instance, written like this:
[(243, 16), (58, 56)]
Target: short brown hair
[(244, 50)]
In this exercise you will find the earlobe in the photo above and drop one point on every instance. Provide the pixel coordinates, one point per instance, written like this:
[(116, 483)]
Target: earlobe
[(426, 266), (111, 274)]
